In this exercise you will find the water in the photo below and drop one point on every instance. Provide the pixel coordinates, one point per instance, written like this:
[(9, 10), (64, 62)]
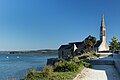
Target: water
[(16, 65)]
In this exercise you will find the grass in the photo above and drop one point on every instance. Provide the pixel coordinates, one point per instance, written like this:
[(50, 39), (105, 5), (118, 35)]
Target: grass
[(63, 70), (54, 75), (69, 75), (89, 55)]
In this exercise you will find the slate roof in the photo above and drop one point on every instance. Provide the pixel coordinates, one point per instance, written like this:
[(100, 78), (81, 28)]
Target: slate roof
[(65, 46), (77, 44), (98, 43)]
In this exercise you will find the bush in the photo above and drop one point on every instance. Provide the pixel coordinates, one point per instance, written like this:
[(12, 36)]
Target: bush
[(66, 66), (83, 51), (72, 66), (93, 53), (89, 55), (73, 59), (70, 58), (98, 55), (86, 64), (83, 56), (47, 71), (58, 66), (56, 77), (30, 75), (62, 70)]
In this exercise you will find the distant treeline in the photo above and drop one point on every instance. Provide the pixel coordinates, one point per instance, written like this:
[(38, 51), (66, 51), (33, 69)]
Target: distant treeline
[(29, 52)]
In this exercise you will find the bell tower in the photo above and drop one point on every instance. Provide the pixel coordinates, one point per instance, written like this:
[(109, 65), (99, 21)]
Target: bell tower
[(102, 31), (103, 46)]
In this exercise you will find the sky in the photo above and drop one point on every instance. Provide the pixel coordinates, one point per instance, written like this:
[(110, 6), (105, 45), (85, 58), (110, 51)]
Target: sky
[(47, 24)]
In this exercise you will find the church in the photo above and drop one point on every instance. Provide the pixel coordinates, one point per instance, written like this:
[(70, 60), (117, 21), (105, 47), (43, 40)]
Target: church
[(75, 48)]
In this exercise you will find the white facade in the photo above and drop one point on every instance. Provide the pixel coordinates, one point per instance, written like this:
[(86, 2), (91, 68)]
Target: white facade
[(103, 46)]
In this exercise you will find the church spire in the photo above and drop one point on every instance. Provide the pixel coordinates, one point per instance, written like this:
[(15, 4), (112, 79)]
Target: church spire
[(102, 22), (103, 46), (102, 30)]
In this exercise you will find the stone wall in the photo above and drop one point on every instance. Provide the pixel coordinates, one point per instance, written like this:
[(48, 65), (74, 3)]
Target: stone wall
[(52, 61), (100, 62), (117, 65)]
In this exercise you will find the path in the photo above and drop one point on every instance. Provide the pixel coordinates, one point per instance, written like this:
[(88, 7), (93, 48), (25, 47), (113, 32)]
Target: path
[(99, 72)]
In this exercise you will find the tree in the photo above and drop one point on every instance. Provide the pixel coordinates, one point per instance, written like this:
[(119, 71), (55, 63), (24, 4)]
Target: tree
[(93, 40), (114, 44), (89, 42)]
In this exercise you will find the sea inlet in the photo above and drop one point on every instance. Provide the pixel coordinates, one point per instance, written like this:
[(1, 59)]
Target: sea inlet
[(17, 65)]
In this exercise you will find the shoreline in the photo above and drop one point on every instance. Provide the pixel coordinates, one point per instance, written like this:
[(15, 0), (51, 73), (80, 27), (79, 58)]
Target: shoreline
[(30, 52)]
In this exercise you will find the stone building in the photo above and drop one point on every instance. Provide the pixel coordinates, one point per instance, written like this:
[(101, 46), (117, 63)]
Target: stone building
[(73, 49)]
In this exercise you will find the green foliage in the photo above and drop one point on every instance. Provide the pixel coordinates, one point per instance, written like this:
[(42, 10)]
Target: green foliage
[(66, 66), (92, 39), (83, 51), (47, 71), (89, 55), (56, 77), (60, 66), (64, 75), (98, 55), (74, 59), (70, 67), (86, 64), (92, 54), (62, 70), (89, 41), (65, 69), (69, 58), (84, 56), (114, 44), (30, 75)]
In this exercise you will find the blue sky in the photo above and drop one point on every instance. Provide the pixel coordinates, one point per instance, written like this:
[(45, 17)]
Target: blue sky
[(46, 24)]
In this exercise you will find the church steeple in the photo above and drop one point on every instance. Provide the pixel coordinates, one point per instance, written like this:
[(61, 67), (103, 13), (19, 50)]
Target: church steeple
[(102, 30), (103, 46), (102, 22)]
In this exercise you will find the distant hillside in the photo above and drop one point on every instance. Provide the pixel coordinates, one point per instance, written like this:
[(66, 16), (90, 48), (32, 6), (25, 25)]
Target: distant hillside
[(28, 52), (47, 51)]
